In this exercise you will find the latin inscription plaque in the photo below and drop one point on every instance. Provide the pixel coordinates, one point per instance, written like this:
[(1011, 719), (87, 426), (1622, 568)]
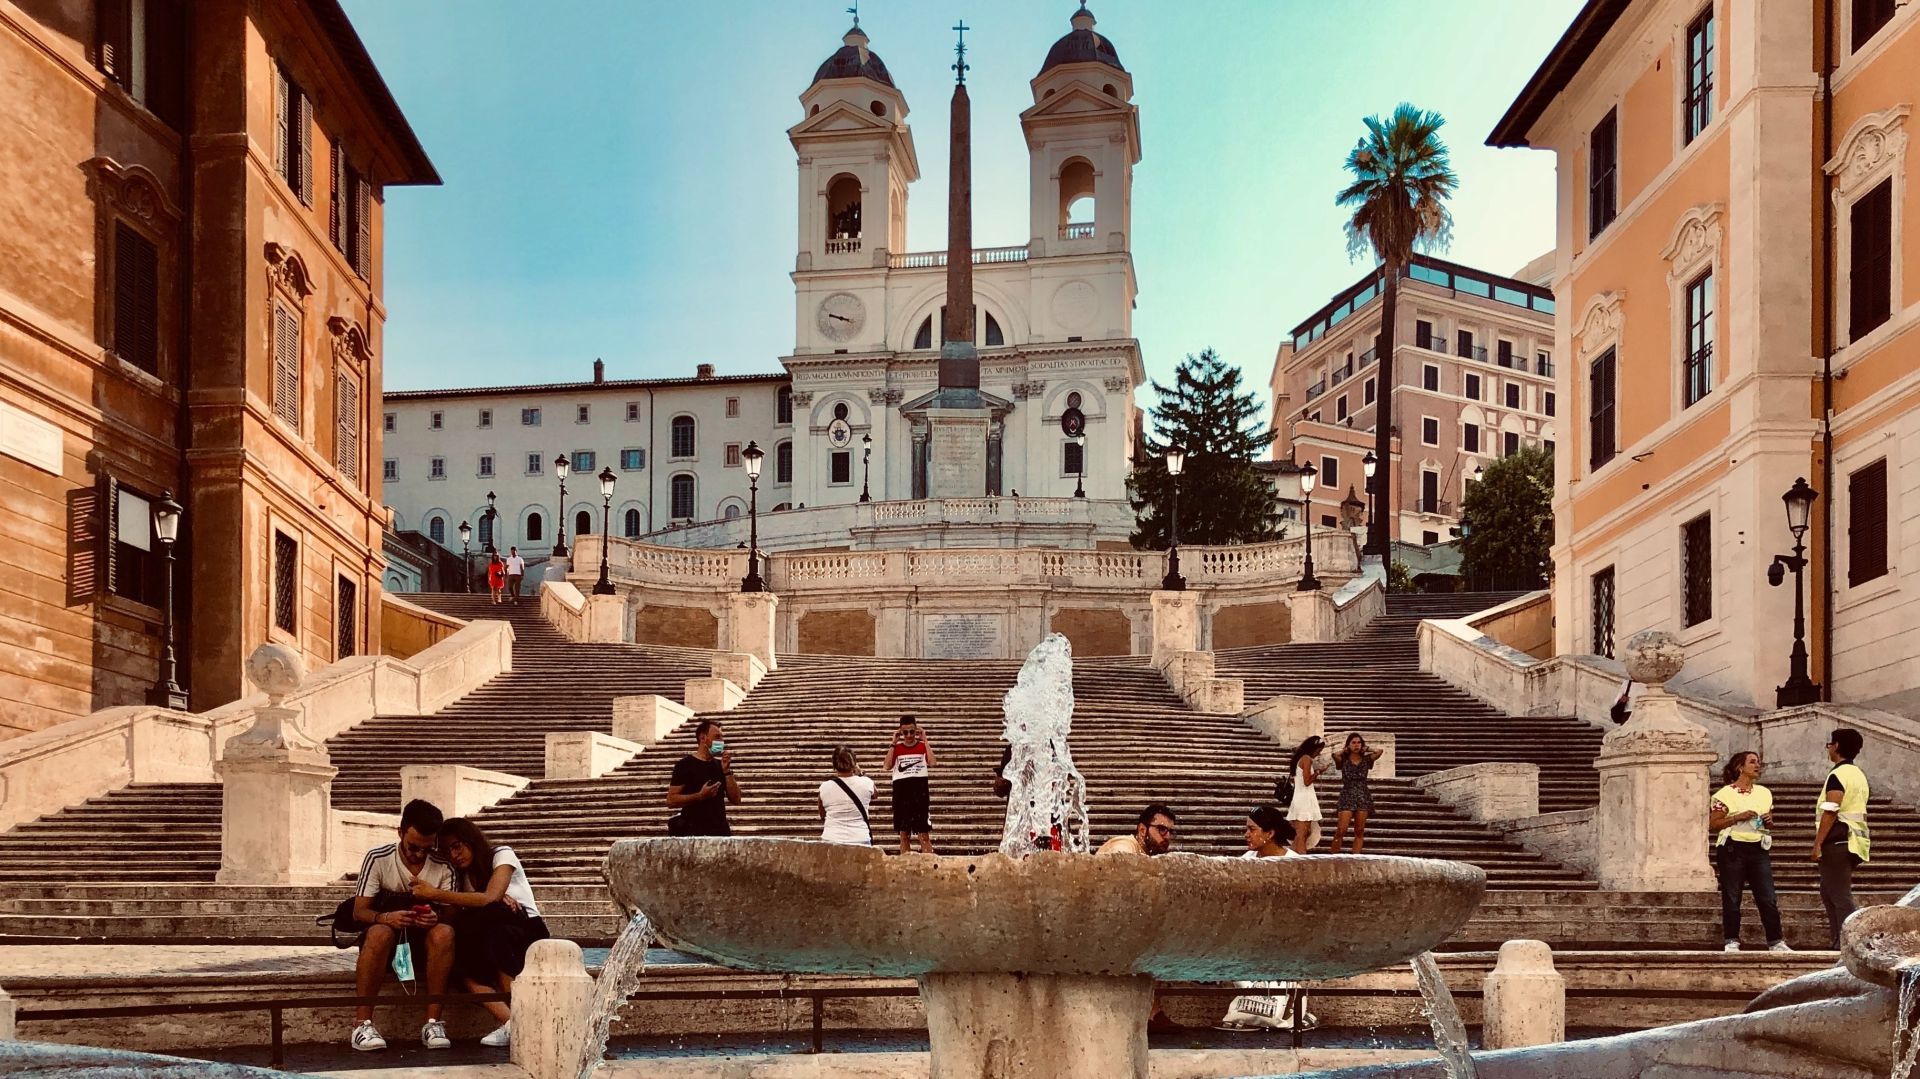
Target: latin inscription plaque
[(962, 636)]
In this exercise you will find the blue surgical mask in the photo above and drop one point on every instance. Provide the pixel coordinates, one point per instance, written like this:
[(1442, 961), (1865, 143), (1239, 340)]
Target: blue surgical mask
[(718, 746)]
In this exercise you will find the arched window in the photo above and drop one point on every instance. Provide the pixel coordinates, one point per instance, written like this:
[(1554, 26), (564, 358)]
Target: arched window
[(732, 511), (582, 523), (987, 329), (486, 530), (683, 443), (783, 463), (840, 410), (843, 215), (534, 527), (923, 338), (683, 497), (630, 524), (781, 506), (783, 405), (993, 335), (437, 530), (1076, 200)]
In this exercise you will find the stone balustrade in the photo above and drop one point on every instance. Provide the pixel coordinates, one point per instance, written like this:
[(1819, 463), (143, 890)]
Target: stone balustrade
[(991, 521)]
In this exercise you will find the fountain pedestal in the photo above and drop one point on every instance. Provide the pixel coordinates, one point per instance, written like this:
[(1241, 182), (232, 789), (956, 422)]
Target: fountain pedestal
[(1029, 1026)]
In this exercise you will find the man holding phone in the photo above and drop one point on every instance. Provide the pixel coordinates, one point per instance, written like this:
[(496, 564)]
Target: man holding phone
[(400, 931), (702, 785)]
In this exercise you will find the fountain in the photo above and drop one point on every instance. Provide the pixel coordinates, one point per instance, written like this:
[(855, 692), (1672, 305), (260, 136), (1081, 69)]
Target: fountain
[(1040, 965)]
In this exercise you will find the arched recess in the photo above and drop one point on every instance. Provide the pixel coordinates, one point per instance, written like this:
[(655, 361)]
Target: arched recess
[(987, 331), (439, 525), (582, 523), (1093, 400), (684, 492), (1077, 177), (533, 525), (633, 522), (858, 414), (731, 508), (988, 301), (843, 213)]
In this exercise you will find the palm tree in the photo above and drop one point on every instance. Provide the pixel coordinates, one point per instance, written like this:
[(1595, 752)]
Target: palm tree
[(1401, 181)]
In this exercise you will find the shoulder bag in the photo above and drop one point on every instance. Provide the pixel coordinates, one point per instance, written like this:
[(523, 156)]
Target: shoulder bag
[(857, 804)]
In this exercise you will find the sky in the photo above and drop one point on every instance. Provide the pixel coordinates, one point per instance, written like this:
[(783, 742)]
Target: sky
[(618, 181)]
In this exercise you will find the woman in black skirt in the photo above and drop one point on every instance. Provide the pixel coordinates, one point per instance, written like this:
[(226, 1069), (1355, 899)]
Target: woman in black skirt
[(496, 917)]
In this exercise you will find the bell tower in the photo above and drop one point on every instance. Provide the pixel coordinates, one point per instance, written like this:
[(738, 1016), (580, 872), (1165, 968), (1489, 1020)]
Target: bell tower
[(856, 159), (1083, 140)]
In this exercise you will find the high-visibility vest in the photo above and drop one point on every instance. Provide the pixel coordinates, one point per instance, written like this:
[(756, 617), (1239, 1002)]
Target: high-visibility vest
[(1851, 809)]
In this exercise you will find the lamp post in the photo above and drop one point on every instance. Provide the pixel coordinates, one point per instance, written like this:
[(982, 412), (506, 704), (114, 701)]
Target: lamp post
[(1798, 688), (492, 526), (166, 691), (1368, 466), (1308, 474), (1173, 582), (466, 561), (1079, 474), (866, 470), (560, 519), (604, 586), (752, 456)]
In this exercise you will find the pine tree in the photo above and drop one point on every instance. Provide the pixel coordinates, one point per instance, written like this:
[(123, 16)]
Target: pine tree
[(1223, 497), (1506, 523)]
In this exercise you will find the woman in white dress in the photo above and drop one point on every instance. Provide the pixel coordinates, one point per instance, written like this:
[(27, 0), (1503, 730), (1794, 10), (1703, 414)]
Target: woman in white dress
[(844, 801), (1303, 812)]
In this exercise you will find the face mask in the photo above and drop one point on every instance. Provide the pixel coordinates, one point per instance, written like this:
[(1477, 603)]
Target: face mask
[(718, 746), (403, 962)]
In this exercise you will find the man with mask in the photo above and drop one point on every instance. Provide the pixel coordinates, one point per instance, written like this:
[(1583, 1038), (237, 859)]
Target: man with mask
[(702, 785), (1840, 827), (1152, 834)]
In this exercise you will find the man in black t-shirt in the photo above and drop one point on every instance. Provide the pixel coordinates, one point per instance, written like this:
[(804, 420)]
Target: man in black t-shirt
[(702, 785)]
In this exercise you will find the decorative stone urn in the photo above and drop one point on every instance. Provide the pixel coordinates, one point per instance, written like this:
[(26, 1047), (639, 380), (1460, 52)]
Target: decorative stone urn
[(1652, 657), (276, 781), (1654, 773)]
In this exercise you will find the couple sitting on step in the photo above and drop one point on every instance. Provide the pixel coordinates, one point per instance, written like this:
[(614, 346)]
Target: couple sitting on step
[(445, 898)]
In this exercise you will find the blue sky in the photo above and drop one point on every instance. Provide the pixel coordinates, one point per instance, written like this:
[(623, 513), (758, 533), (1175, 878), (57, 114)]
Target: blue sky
[(619, 183)]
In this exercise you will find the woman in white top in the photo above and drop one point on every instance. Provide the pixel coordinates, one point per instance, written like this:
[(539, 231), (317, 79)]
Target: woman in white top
[(844, 802), (497, 918), (1267, 831), (1304, 810)]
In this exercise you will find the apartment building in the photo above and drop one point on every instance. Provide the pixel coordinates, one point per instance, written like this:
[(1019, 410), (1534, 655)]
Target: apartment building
[(1734, 219), (1474, 381)]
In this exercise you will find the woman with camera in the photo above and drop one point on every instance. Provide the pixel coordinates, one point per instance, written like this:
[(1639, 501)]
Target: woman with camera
[(844, 801), (496, 918)]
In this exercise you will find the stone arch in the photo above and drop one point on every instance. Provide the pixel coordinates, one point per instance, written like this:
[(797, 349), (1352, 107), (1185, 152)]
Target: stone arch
[(858, 410), (1076, 182)]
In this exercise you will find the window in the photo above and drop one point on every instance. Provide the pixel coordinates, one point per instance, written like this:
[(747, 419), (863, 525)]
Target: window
[(1429, 431), (630, 524), (390, 470), (486, 530), (1546, 402), (486, 466), (390, 422), (293, 135), (1603, 175), (1429, 492), (1547, 444), (1510, 443), (1697, 379), (1473, 387), (1600, 411), (1340, 408), (142, 46), (529, 417), (1329, 472), (1072, 460), (350, 213), (633, 460), (732, 457), (683, 444), (995, 337), (437, 530), (486, 417), (1463, 343), (345, 619), (1870, 260), (1328, 520), (1367, 392), (583, 523), (633, 411), (583, 461), (1470, 438), (1503, 353), (783, 463), (1603, 612), (1696, 570), (436, 421), (437, 468), (1543, 363), (536, 526), (783, 405), (923, 337), (1868, 17), (1867, 523), (1429, 377), (131, 553), (731, 511), (286, 573), (841, 463), (733, 407), (534, 463), (583, 413), (1423, 336), (682, 492), (346, 427), (136, 299), (286, 364), (1428, 539), (1513, 395), (1697, 106)]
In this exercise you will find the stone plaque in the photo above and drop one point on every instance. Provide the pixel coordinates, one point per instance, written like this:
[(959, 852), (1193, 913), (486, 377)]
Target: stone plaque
[(962, 636)]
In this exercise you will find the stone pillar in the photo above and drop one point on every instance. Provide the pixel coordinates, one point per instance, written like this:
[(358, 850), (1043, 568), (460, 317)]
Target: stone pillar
[(276, 782), (1034, 1026), (1312, 616), (7, 1012), (752, 616), (1176, 625), (551, 1001), (1524, 1000), (1653, 783), (606, 618), (959, 465)]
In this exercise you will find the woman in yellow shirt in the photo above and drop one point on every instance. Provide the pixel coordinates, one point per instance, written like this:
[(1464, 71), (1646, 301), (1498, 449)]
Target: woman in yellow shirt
[(1741, 818)]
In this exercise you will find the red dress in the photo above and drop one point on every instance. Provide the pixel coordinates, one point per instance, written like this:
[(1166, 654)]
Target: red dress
[(497, 575)]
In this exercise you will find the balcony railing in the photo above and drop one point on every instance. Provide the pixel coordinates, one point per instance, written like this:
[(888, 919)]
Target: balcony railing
[(919, 260), (1544, 367), (1316, 389), (1370, 355), (1081, 230), (843, 245), (1434, 505), (1341, 374), (1473, 352)]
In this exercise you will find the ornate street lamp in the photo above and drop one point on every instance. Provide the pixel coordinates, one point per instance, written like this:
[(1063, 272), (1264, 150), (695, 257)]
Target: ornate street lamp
[(1173, 582), (1368, 466), (1308, 474), (1799, 688), (866, 469), (560, 520), (753, 455), (466, 561), (1079, 474), (604, 586), (166, 691), (492, 524)]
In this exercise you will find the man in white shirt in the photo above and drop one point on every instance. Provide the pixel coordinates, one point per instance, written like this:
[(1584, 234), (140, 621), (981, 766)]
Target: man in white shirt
[(516, 569), (387, 876)]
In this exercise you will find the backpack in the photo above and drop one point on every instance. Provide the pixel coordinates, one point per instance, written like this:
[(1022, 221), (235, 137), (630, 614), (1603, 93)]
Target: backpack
[(344, 931)]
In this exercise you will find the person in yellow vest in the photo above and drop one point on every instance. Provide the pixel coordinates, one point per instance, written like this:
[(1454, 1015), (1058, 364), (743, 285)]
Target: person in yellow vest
[(1741, 818), (1840, 831)]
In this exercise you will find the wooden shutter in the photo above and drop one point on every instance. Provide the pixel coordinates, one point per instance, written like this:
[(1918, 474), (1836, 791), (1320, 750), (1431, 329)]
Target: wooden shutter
[(363, 226), (107, 495), (136, 299), (336, 219), (286, 365), (346, 408), (1600, 396), (303, 116), (1867, 524), (282, 121), (113, 47), (1870, 259)]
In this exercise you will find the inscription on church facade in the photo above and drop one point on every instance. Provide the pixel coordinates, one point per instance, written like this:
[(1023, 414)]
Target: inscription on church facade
[(962, 636)]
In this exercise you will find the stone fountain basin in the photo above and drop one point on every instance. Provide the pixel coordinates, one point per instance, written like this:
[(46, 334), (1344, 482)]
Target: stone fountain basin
[(811, 907), (1877, 943)]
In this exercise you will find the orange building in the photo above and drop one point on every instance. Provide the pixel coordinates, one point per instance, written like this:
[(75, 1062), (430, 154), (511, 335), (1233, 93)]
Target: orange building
[(1734, 219), (190, 230)]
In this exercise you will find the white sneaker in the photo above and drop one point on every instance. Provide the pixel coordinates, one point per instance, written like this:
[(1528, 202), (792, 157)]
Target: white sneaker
[(1732, 946), (1779, 946), (366, 1037), (433, 1035), (501, 1037)]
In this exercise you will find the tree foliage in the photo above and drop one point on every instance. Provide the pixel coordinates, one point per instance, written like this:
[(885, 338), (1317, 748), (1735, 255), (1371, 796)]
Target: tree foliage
[(1402, 179), (1223, 497), (1506, 523)]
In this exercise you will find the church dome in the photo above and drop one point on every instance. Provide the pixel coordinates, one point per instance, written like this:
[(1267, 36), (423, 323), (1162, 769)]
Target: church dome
[(853, 60), (1082, 45)]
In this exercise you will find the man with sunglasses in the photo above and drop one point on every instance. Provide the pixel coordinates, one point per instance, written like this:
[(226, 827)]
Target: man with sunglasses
[(1152, 834), (384, 903)]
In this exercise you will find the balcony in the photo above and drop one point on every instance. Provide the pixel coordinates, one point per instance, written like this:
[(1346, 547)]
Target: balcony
[(1341, 374), (1439, 506), (920, 260), (1472, 352), (1544, 367), (1370, 355), (1433, 344), (1316, 389), (1077, 231), (843, 245)]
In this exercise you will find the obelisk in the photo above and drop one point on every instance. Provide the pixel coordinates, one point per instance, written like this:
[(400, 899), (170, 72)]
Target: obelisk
[(957, 418)]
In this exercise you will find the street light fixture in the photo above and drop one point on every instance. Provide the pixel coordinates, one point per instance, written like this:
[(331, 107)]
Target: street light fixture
[(866, 468), (466, 560), (1368, 466), (1080, 474), (560, 520), (1799, 688), (1173, 582), (752, 456), (166, 691), (1308, 475), (492, 524), (604, 586)]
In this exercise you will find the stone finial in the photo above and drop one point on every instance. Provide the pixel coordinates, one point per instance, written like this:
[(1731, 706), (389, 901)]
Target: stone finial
[(1652, 656), (276, 669)]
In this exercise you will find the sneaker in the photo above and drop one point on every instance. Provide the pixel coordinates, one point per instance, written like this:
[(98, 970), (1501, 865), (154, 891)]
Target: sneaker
[(501, 1037), (366, 1038), (433, 1035), (1779, 946), (1732, 946)]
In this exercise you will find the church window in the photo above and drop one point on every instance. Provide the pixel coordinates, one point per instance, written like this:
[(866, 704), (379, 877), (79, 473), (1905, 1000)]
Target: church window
[(683, 444), (1072, 463), (783, 463), (840, 410), (842, 463), (1076, 200), (994, 336), (923, 338), (843, 215), (682, 490), (879, 108), (1073, 400)]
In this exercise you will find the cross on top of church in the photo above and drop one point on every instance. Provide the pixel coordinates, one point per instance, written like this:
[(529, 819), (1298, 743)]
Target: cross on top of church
[(960, 65), (855, 12)]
